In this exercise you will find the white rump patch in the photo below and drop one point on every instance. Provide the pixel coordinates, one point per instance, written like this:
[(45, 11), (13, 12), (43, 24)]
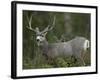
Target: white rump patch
[(86, 44)]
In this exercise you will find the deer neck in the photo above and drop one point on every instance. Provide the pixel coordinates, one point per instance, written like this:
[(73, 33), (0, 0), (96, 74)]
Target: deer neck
[(44, 46), (45, 43)]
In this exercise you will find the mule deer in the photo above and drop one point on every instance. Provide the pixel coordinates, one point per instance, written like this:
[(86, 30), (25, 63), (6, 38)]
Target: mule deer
[(74, 47)]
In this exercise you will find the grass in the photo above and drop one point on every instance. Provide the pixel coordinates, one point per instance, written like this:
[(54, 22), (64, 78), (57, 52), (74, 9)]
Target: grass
[(39, 61)]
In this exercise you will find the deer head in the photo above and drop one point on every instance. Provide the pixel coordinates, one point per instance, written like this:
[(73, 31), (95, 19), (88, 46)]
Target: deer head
[(40, 35)]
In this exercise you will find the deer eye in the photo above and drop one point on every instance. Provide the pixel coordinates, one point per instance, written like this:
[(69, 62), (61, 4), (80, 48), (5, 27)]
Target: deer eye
[(42, 35)]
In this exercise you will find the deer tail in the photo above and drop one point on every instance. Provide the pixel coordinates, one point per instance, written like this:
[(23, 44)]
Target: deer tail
[(86, 45)]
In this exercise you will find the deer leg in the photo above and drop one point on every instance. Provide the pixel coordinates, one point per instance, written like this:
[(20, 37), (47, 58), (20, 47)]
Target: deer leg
[(48, 59), (81, 56), (73, 58), (83, 63), (80, 60)]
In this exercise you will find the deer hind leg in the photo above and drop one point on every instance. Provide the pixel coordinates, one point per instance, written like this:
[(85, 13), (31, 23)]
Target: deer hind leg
[(83, 62), (82, 58), (80, 61)]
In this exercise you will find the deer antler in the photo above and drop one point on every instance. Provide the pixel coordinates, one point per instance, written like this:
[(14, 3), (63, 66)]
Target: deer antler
[(30, 23), (48, 28)]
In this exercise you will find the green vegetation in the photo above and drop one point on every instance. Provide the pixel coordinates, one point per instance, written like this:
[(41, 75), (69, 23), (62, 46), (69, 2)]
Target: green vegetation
[(67, 26)]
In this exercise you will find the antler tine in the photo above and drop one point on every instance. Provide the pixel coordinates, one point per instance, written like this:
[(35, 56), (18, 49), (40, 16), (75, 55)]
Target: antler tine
[(30, 23), (48, 28), (53, 23)]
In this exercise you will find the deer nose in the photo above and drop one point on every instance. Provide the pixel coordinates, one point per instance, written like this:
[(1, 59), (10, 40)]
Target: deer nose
[(37, 40)]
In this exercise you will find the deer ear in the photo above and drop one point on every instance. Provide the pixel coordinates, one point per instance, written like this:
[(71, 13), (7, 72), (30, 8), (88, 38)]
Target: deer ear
[(45, 33)]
